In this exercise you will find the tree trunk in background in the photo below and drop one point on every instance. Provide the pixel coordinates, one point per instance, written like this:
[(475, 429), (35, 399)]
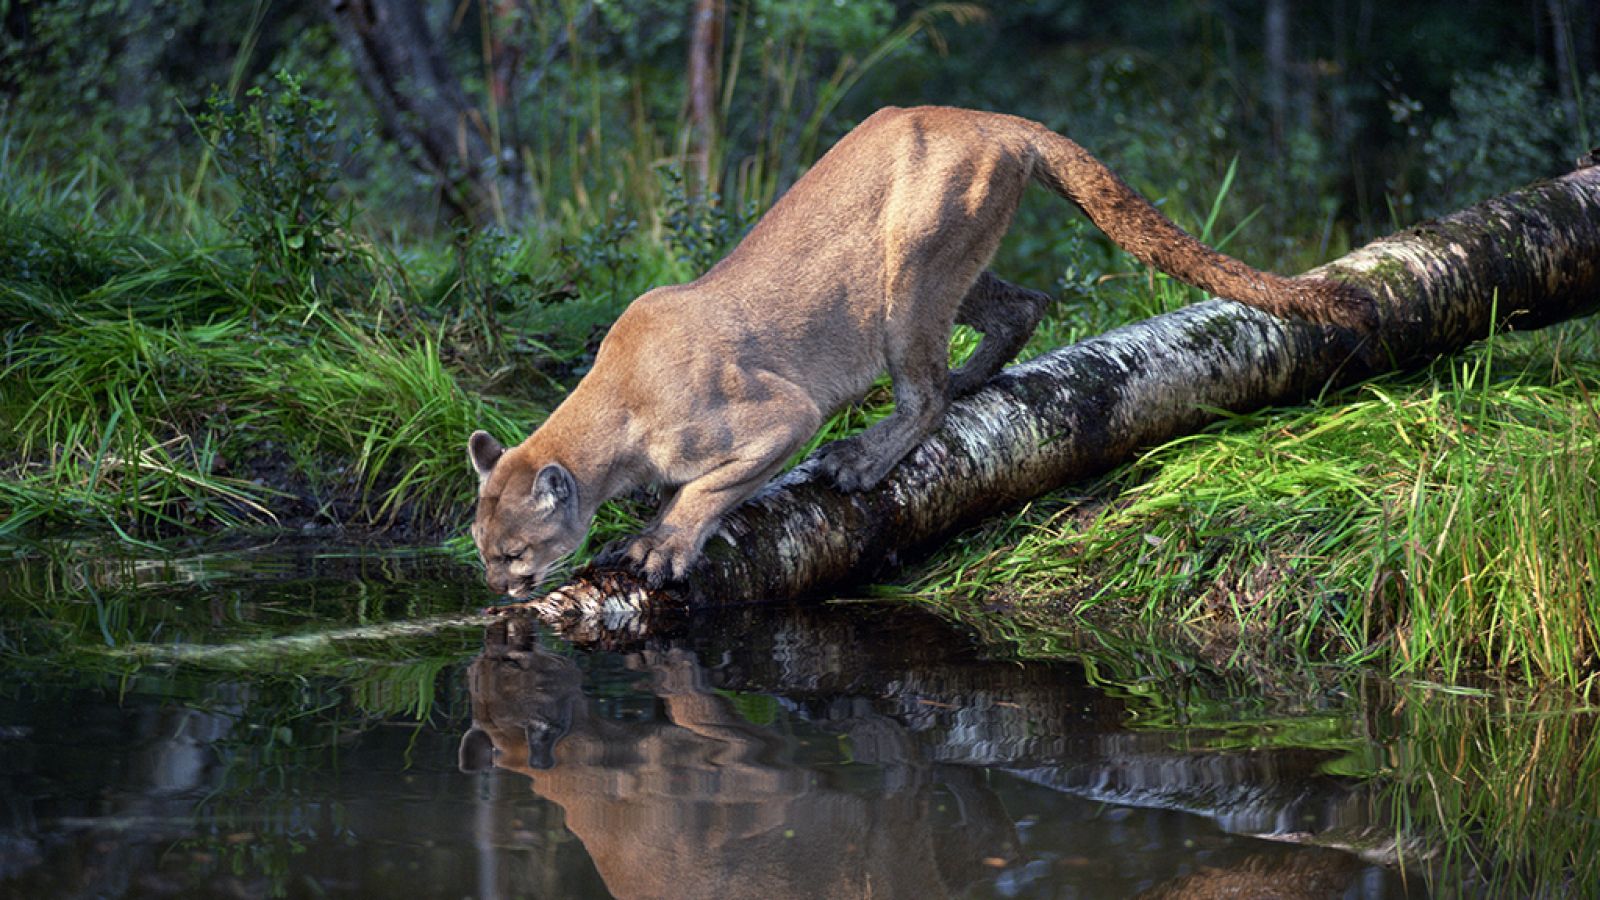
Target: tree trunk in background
[(1524, 260), (705, 48), (1561, 39), (504, 48), (423, 108), (1275, 26)]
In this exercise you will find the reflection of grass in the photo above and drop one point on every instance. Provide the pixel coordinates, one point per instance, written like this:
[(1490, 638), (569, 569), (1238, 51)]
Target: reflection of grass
[(407, 688), (335, 616), (1437, 522), (1492, 790), (78, 625), (80, 620), (1488, 786), (1509, 788)]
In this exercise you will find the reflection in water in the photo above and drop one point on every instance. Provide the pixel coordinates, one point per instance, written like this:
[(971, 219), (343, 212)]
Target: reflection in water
[(700, 799), (703, 803), (844, 751)]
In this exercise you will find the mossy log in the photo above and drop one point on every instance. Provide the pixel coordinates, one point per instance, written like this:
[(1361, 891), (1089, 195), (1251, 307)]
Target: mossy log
[(1523, 260)]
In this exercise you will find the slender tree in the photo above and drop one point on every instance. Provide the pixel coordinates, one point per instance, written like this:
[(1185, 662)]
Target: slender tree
[(1275, 28), (423, 108), (705, 50)]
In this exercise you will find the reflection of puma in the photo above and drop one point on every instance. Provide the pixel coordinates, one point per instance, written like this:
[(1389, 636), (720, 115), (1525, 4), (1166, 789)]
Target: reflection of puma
[(705, 804), (864, 266)]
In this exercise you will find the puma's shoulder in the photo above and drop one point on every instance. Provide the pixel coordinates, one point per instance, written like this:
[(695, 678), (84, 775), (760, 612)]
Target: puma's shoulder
[(663, 348)]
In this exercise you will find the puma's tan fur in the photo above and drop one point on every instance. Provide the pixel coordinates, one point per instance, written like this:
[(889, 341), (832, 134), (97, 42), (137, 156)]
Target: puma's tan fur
[(866, 264)]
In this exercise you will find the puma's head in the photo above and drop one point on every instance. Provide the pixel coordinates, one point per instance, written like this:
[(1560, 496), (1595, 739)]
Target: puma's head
[(525, 700), (528, 517)]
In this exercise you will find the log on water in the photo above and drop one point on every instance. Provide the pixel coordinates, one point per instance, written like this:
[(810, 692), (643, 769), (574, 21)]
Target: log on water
[(1523, 260)]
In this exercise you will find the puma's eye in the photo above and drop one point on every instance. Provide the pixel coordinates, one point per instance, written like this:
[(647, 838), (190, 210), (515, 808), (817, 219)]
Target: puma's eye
[(515, 555)]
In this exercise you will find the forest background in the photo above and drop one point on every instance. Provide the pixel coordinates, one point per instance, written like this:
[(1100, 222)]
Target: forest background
[(263, 266)]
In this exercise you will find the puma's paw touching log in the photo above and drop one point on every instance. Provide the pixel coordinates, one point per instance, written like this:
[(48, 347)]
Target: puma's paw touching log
[(656, 555), (850, 466), (661, 555)]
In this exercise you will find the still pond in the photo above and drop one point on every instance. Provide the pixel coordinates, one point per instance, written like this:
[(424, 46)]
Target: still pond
[(300, 721)]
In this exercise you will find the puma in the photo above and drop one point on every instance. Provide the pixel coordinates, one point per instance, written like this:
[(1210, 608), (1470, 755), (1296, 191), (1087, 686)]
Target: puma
[(865, 264)]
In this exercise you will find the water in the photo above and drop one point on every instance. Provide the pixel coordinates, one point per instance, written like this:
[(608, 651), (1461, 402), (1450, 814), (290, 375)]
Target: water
[(841, 751)]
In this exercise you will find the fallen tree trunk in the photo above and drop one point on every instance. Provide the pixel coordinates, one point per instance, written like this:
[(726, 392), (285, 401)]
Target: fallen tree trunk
[(1526, 259)]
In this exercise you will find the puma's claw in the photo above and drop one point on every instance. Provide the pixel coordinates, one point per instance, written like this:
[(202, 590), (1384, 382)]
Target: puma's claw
[(656, 570), (613, 555), (848, 467), (656, 559)]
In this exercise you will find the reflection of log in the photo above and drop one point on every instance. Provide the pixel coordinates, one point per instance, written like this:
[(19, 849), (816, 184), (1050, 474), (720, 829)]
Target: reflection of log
[(1524, 260), (264, 652)]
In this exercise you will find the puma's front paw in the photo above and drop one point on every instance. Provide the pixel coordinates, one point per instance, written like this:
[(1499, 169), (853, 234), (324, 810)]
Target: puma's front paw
[(659, 558), (849, 466), (612, 555)]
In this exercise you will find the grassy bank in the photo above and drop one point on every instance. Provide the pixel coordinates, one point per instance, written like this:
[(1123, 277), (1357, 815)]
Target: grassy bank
[(270, 369), (1435, 522), (157, 389)]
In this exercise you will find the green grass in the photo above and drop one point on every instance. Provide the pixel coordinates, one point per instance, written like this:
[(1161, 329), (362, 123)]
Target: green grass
[(155, 429), (392, 409), (167, 381), (150, 383)]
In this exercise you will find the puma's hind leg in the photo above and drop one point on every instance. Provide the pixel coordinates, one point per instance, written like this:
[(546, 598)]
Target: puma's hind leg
[(936, 255), (1007, 315), (918, 356)]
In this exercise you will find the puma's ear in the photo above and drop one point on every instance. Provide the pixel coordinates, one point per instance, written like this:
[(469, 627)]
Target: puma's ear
[(554, 487), (484, 451), (477, 751)]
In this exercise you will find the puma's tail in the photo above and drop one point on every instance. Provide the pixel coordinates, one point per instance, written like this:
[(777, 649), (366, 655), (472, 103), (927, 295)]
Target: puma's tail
[(1155, 240)]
